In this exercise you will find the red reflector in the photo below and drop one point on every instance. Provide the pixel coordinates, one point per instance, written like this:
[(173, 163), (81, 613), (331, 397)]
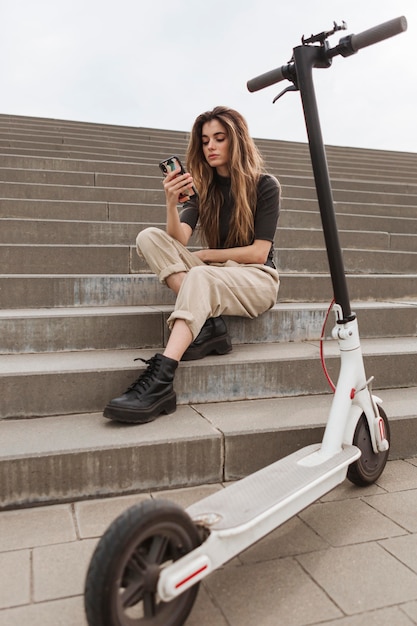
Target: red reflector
[(182, 582), (382, 428)]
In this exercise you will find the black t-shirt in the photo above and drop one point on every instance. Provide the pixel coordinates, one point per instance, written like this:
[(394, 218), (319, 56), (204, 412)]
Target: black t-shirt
[(266, 211)]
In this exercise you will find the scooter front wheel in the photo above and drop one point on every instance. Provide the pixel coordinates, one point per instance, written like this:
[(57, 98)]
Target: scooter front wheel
[(121, 583), (370, 465)]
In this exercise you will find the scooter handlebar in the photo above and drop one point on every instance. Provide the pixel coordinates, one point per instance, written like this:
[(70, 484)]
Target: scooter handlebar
[(378, 33), (347, 46), (268, 78)]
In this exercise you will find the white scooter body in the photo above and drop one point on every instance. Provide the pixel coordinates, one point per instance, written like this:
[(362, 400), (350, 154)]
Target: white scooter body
[(249, 509)]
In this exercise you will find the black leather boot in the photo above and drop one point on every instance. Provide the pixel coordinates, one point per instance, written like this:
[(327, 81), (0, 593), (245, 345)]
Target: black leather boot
[(149, 396), (212, 338)]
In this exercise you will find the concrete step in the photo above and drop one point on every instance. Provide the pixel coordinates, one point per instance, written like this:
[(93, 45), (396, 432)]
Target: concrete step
[(62, 259), (292, 218), (100, 328), (295, 213), (26, 208), (77, 382), (280, 165), (48, 290), (16, 161), (156, 195), (81, 456), (119, 259), (73, 232), (356, 260), (351, 208), (367, 163), (81, 129), (281, 162), (151, 177)]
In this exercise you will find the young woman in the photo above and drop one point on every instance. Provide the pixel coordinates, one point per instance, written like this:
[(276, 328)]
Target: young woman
[(237, 210)]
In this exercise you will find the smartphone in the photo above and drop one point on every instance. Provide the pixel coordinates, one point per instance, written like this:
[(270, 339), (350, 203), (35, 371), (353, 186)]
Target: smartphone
[(174, 163)]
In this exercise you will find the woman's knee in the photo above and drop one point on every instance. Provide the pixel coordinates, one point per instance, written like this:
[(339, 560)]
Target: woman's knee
[(148, 237)]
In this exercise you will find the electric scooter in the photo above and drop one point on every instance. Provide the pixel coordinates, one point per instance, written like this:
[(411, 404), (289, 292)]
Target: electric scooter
[(147, 566)]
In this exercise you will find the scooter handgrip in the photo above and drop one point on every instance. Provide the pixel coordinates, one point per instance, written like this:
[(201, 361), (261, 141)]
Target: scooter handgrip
[(378, 33), (265, 80)]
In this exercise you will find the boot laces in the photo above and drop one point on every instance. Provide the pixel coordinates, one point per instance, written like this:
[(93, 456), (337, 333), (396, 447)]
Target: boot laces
[(146, 377)]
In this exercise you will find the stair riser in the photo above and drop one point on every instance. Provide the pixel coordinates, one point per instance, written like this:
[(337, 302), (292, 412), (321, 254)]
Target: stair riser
[(16, 259), (123, 470), (153, 193), (374, 223), (152, 177), (84, 211), (114, 259), (149, 330), (279, 165), (28, 291), (52, 232), (60, 477), (296, 213), (88, 391), (315, 260), (134, 141), (245, 456)]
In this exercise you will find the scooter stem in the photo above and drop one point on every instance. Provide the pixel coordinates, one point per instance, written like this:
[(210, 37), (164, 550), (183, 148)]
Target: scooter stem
[(305, 58)]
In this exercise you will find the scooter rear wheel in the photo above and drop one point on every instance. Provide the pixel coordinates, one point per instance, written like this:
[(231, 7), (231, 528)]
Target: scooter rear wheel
[(370, 465), (121, 583)]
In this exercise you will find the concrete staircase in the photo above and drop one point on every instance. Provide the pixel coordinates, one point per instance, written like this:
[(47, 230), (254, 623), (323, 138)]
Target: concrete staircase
[(77, 306)]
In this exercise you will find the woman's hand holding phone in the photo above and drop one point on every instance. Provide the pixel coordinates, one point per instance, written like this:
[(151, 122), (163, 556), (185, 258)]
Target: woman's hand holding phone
[(178, 183), (177, 186)]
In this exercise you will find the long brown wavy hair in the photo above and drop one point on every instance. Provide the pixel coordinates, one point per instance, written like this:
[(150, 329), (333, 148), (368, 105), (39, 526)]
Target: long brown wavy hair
[(245, 164)]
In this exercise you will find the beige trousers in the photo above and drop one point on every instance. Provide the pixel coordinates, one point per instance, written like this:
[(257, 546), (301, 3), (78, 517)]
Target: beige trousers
[(208, 290)]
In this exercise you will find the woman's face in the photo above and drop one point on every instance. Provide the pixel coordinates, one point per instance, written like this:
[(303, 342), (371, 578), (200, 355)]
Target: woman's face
[(216, 146)]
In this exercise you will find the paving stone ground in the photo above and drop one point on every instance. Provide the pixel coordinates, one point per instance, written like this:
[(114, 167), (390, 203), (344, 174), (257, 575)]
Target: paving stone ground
[(349, 559)]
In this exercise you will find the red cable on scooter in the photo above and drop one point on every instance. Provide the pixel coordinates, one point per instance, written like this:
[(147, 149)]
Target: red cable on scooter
[(323, 363)]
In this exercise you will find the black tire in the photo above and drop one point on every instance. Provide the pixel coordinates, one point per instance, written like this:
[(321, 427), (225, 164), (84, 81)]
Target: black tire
[(120, 588), (369, 467)]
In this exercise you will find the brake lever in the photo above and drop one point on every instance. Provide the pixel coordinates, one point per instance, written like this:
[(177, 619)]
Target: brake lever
[(284, 91)]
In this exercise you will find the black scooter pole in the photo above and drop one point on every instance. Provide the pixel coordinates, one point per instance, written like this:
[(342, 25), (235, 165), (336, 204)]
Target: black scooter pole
[(305, 58)]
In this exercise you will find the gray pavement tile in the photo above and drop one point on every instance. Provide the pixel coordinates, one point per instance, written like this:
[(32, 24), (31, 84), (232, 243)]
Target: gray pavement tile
[(410, 609), (14, 578), (404, 549), (269, 592), (400, 507), (27, 528), (398, 476), (59, 571), (186, 497), (347, 522), (293, 537), (361, 578), (392, 616), (94, 516), (205, 612), (68, 612)]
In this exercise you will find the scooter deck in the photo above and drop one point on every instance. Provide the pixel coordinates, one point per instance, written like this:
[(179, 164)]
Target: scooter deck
[(277, 484)]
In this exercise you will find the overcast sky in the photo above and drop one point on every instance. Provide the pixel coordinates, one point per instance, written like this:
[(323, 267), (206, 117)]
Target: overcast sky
[(155, 63)]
